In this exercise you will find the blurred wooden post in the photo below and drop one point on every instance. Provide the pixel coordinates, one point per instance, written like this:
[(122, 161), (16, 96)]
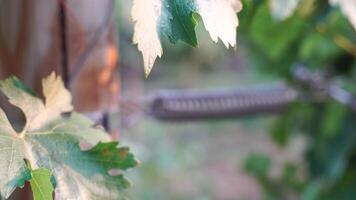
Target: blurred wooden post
[(30, 47)]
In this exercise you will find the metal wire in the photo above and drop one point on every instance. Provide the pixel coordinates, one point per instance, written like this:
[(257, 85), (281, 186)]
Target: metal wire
[(204, 105), (183, 105)]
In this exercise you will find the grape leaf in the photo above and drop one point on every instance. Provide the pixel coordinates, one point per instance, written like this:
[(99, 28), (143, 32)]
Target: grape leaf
[(348, 8), (146, 14), (181, 21), (175, 19), (219, 17), (41, 185), (51, 140)]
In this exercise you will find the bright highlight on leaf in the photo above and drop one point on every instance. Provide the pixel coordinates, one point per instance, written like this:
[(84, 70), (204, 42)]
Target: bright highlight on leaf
[(145, 14), (50, 144), (219, 17), (174, 19)]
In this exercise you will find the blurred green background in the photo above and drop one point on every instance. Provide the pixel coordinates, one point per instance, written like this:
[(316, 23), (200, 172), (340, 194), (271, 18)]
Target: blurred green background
[(307, 152)]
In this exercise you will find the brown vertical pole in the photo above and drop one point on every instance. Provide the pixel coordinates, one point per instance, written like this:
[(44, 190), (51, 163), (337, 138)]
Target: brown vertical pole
[(63, 40)]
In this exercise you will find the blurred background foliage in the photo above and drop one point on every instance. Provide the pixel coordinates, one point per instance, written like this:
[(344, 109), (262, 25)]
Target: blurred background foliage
[(308, 152)]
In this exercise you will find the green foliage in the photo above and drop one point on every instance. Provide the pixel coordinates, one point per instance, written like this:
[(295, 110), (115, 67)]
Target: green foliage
[(41, 184), (319, 36), (182, 21), (271, 36), (50, 142), (258, 165), (112, 157)]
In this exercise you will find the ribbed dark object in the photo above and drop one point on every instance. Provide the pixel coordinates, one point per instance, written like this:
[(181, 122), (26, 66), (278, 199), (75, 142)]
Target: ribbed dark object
[(203, 105)]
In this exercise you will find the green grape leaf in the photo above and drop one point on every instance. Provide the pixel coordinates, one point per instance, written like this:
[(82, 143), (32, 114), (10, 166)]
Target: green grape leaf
[(41, 185), (112, 157), (182, 22), (175, 19), (54, 141)]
